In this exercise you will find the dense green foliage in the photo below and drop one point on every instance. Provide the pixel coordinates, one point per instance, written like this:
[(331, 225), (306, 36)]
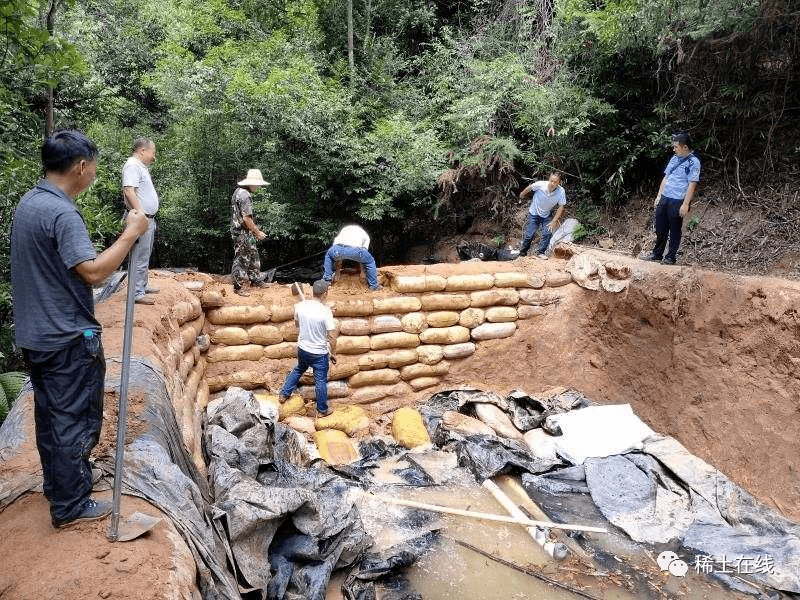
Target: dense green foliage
[(449, 108)]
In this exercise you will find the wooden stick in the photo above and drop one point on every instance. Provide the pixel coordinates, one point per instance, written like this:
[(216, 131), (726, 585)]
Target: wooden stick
[(486, 516), (526, 570)]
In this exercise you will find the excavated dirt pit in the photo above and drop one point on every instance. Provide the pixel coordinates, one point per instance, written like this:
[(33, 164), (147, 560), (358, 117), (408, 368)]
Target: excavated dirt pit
[(709, 359)]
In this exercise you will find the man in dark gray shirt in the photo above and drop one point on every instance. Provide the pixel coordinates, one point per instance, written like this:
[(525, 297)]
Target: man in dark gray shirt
[(53, 267)]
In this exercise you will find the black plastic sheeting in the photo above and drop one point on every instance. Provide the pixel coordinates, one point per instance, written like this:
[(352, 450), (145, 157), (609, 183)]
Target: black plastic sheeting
[(471, 250)]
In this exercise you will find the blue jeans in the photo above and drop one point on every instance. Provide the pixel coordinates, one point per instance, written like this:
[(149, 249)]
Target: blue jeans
[(338, 252), (319, 363), (668, 222), (535, 222)]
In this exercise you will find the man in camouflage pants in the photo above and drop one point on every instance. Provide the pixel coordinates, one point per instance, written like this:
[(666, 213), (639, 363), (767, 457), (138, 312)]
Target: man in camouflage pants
[(244, 231)]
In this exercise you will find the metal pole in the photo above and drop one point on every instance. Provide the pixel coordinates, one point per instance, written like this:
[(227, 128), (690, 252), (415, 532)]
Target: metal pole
[(122, 412)]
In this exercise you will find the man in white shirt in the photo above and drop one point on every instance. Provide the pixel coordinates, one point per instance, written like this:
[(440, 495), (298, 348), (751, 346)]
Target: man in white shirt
[(316, 343), (140, 194), (351, 244), (546, 196)]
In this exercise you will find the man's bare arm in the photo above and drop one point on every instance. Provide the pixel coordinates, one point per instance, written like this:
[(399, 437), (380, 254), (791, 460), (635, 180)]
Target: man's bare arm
[(96, 270)]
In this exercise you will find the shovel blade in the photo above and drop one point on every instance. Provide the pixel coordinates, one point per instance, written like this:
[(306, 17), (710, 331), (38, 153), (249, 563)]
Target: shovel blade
[(136, 525)]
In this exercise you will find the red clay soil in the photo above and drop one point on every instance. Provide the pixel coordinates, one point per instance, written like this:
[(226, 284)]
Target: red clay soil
[(711, 359)]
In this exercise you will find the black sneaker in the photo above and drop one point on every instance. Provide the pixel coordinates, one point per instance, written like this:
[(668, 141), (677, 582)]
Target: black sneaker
[(668, 260), (653, 257), (92, 510), (377, 288)]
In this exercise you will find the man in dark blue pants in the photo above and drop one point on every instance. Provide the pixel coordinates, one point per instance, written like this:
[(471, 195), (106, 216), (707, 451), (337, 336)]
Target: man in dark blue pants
[(674, 198), (316, 344), (53, 268)]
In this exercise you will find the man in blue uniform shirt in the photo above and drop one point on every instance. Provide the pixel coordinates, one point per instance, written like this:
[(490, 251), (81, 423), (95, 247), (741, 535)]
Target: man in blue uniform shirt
[(674, 198)]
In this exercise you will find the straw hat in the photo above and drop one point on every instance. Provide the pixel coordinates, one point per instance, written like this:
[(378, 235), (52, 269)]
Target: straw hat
[(253, 178)]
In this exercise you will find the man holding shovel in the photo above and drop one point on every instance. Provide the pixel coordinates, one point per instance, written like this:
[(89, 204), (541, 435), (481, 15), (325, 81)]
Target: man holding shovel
[(53, 268)]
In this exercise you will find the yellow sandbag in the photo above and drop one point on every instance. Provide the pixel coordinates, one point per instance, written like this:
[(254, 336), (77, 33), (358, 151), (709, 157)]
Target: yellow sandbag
[(385, 324), (282, 313), (374, 377), (294, 405), (431, 302), (351, 308), (518, 279), (266, 335), (186, 364), (366, 395), (350, 419), (410, 372), (247, 380), (211, 298), (429, 355), (471, 317), (442, 318), (479, 281), (352, 344), (420, 383), (540, 297), (406, 284), (230, 336), (396, 305), (336, 389), (458, 350), (493, 331), (239, 315), (525, 311), (186, 310), (201, 400), (557, 278), (301, 424), (282, 350), (414, 322), (373, 360), (445, 335), (227, 353), (501, 297), (354, 327), (335, 447), (501, 314), (288, 331), (401, 358), (399, 339), (408, 429), (190, 330)]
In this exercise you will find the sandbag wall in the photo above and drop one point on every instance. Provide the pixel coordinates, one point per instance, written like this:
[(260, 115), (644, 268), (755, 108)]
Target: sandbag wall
[(185, 369), (388, 347)]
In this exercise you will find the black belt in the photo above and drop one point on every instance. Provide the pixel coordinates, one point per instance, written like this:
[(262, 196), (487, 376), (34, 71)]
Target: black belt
[(153, 216)]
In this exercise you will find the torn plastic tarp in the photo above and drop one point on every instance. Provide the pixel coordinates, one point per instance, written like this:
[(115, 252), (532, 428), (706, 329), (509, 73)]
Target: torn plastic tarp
[(484, 456), (665, 495), (289, 524)]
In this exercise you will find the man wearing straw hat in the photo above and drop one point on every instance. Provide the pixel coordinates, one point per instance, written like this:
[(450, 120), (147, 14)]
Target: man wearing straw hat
[(244, 231)]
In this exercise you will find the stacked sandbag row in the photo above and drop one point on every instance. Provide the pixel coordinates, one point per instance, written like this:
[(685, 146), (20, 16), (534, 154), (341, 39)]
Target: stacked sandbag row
[(388, 347), (185, 370)]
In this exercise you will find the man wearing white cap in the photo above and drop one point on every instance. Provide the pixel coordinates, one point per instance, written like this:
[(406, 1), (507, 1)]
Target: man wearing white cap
[(244, 231)]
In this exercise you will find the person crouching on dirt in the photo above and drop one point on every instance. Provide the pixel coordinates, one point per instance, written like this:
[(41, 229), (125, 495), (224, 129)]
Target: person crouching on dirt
[(351, 243), (674, 198), (246, 262), (546, 196), (316, 344), (53, 268)]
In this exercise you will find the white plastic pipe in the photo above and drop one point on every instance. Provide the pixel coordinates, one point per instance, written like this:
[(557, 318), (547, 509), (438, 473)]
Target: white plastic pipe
[(556, 550)]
